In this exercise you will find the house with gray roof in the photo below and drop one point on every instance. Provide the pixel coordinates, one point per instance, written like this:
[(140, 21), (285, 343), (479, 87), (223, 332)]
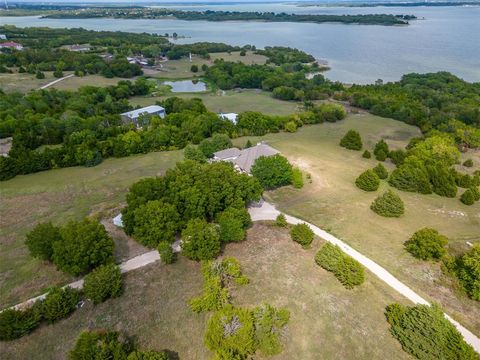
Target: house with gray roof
[(244, 159), (137, 116)]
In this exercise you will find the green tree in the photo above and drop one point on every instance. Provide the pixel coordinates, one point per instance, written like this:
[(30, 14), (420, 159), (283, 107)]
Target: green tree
[(442, 180), (412, 176), (368, 180), (381, 171), (40, 75), (351, 140), (381, 150), (302, 234), (291, 127), (194, 68), (388, 204), (269, 325), (103, 283), (40, 240), (192, 152), (156, 221), (427, 244), (83, 246), (233, 223), (166, 252), (16, 323), (200, 240), (468, 272), (366, 154), (468, 197), (60, 303), (272, 171)]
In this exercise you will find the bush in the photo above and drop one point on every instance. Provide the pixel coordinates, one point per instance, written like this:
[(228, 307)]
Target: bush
[(60, 303), (40, 240), (272, 171), (148, 355), (194, 68), (291, 127), (243, 53), (281, 221), (468, 197), (443, 181), (100, 345), (231, 330), (411, 176), (216, 143), (475, 192), (368, 181), (200, 240), (349, 272), (297, 178), (103, 283), (468, 163), (16, 323), (302, 234), (389, 205), (233, 222), (468, 272), (40, 75), (427, 244), (425, 333), (381, 150), (166, 252), (366, 154), (83, 246), (269, 324), (397, 156), (351, 140), (346, 269), (381, 171)]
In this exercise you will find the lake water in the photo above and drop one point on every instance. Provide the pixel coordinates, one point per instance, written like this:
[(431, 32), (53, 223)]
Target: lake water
[(444, 38), (183, 86)]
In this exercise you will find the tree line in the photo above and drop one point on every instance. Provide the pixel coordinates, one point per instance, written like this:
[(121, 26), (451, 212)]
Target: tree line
[(209, 15)]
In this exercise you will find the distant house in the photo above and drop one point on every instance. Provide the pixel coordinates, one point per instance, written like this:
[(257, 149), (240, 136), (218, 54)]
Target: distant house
[(11, 45), (3, 37), (5, 146), (138, 60), (243, 160), (135, 116), (79, 48), (232, 117)]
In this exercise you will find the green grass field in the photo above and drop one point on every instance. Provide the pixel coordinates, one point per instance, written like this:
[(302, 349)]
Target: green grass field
[(59, 196), (327, 321), (333, 202), (232, 101), (23, 82)]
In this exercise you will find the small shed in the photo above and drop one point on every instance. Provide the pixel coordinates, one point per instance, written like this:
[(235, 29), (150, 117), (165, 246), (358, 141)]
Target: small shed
[(135, 116)]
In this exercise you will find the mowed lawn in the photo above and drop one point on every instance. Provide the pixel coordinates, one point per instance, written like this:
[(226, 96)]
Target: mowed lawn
[(327, 321), (59, 196), (333, 202), (236, 101)]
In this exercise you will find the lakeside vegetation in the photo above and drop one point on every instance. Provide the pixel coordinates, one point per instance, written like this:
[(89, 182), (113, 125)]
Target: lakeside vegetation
[(209, 15)]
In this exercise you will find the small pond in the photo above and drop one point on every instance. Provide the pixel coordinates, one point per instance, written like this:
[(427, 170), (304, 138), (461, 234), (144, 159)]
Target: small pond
[(186, 86)]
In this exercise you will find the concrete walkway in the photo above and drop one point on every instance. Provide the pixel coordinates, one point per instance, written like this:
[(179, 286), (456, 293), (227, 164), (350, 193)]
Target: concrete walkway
[(268, 212), (55, 81)]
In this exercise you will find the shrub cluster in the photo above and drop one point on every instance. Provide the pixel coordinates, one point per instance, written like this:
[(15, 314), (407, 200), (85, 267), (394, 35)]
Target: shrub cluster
[(352, 140), (217, 276), (388, 204), (58, 304), (76, 248), (273, 171), (346, 269), (233, 223), (426, 334), (470, 196), (368, 180), (103, 344), (103, 283), (427, 244), (237, 333), (381, 150), (191, 195), (166, 252), (467, 269), (281, 221), (302, 234)]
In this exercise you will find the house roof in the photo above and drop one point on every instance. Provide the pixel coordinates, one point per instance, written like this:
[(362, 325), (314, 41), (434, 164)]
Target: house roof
[(152, 109), (227, 154), (10, 44), (248, 156), (229, 116)]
